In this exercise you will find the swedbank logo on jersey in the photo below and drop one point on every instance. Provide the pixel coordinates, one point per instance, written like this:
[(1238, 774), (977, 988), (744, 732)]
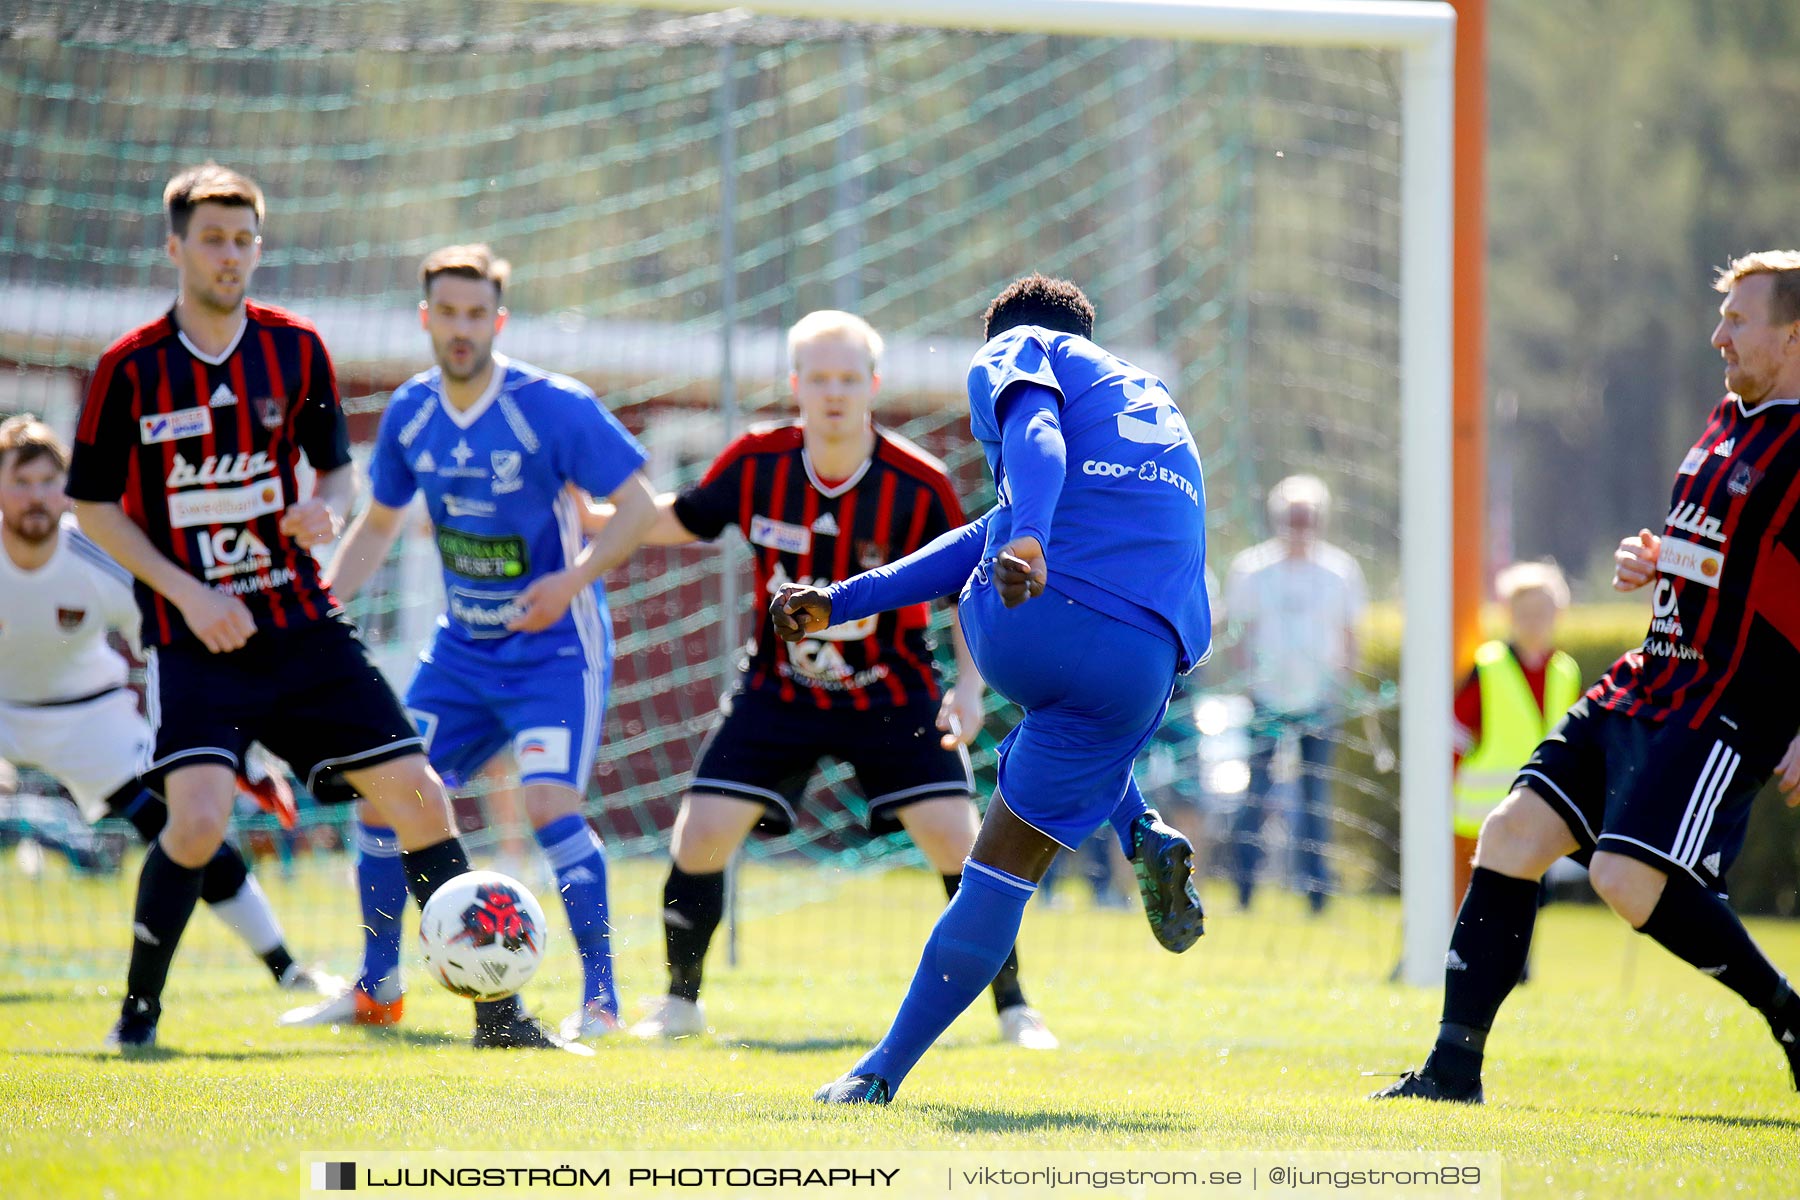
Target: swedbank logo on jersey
[(476, 557)]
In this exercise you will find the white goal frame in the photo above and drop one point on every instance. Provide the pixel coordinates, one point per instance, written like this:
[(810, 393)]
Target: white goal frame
[(1424, 33)]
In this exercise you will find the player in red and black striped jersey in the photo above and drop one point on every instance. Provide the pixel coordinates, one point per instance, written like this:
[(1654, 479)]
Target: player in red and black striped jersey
[(1650, 776), (821, 499), (186, 471)]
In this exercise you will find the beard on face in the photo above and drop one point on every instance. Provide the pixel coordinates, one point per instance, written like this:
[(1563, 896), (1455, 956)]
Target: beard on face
[(478, 360), (35, 526)]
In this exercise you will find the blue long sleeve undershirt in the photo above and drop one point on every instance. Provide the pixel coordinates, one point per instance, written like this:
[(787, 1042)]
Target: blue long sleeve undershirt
[(1035, 461), (1033, 456), (937, 569)]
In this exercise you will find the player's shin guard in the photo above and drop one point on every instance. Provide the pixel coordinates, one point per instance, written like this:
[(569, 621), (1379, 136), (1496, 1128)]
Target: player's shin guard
[(579, 860), (427, 870), (1488, 949), (238, 900), (693, 906), (167, 893), (1006, 989), (966, 947), (381, 887), (1699, 928)]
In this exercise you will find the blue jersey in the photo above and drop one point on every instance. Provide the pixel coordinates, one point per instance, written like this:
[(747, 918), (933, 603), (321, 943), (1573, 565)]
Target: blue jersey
[(1129, 533), (496, 481)]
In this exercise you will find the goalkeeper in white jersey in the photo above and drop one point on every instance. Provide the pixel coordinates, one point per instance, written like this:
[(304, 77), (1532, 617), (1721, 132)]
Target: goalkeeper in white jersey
[(65, 708)]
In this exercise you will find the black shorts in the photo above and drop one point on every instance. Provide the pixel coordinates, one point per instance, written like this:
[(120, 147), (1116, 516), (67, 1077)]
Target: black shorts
[(1664, 794), (310, 694), (765, 751)]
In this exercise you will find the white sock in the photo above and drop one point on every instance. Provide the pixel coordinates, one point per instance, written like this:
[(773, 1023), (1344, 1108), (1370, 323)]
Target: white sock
[(248, 915)]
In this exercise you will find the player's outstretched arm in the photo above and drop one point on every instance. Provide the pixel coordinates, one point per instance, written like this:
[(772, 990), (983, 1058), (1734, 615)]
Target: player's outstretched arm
[(221, 622), (937, 569), (665, 530), (366, 547), (634, 510)]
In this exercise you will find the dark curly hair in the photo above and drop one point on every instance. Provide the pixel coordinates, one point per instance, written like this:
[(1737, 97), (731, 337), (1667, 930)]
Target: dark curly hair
[(1040, 300)]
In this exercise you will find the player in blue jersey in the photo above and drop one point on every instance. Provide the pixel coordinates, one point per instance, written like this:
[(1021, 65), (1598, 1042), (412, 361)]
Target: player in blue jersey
[(1101, 527), (522, 659)]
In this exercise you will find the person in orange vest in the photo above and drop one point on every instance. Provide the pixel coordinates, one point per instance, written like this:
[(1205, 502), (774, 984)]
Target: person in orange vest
[(1520, 688)]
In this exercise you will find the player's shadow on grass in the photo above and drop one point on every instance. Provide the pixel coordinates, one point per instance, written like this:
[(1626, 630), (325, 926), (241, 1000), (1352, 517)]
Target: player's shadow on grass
[(959, 1119), (801, 1045), (431, 1038), (1727, 1121)]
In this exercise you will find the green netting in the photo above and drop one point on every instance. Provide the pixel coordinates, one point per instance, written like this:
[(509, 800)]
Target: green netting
[(674, 191)]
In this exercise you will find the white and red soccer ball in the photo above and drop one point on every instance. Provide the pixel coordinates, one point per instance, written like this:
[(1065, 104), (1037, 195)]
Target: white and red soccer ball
[(483, 935)]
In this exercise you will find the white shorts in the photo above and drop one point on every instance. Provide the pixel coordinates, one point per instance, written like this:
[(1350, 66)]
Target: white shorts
[(93, 748)]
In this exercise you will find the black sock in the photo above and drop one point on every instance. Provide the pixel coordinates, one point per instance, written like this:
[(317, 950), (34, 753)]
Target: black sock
[(693, 906), (1006, 989), (167, 893), (428, 869), (1487, 951), (1699, 928), (433, 866), (278, 961), (223, 875)]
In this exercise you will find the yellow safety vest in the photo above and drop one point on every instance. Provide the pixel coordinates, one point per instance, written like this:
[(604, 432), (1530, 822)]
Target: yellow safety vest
[(1511, 728)]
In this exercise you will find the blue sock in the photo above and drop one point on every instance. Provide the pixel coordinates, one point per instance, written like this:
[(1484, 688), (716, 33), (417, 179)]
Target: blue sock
[(971, 939), (1130, 809), (381, 884), (579, 861)]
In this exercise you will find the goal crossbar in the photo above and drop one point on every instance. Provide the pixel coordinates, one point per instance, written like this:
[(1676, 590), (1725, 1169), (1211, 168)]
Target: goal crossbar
[(1424, 35)]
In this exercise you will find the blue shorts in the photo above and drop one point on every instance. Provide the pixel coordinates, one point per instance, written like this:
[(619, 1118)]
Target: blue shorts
[(1094, 691), (550, 716)]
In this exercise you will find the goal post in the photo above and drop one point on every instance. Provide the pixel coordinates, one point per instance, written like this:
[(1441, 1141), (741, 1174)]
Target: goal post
[(1424, 34), (1257, 196)]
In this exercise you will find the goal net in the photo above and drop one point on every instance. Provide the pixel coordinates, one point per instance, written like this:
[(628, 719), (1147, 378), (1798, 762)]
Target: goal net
[(674, 190)]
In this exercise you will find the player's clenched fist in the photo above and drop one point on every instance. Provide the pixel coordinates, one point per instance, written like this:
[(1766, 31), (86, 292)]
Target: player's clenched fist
[(311, 523), (798, 611), (222, 623), (1634, 562), (1019, 571)]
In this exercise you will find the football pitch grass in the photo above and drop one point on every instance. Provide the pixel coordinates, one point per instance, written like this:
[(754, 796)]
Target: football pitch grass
[(1616, 1072)]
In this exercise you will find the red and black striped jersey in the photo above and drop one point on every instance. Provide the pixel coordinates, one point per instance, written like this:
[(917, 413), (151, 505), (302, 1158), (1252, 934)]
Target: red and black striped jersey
[(804, 529), (1724, 638), (201, 453)]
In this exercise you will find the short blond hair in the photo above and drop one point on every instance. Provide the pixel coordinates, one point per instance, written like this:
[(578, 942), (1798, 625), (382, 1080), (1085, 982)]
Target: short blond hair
[(1308, 490), (1545, 577), (473, 261), (1784, 265), (830, 324)]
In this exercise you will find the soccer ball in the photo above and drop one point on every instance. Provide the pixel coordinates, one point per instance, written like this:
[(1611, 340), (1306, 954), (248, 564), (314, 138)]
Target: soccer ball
[(483, 935)]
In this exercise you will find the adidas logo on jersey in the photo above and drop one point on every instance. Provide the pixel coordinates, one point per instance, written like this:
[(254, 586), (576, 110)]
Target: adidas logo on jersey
[(1711, 862), (222, 397), (1724, 448), (1454, 962), (142, 933), (425, 464), (826, 525)]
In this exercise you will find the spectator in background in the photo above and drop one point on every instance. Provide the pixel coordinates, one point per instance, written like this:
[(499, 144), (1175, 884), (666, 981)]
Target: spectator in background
[(1520, 688), (1293, 603)]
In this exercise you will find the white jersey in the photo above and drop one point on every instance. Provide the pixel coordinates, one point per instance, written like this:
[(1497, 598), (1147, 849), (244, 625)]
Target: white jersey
[(53, 623), (1296, 617)]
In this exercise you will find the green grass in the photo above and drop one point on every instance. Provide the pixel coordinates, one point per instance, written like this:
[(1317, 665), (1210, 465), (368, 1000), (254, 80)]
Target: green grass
[(1617, 1072)]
